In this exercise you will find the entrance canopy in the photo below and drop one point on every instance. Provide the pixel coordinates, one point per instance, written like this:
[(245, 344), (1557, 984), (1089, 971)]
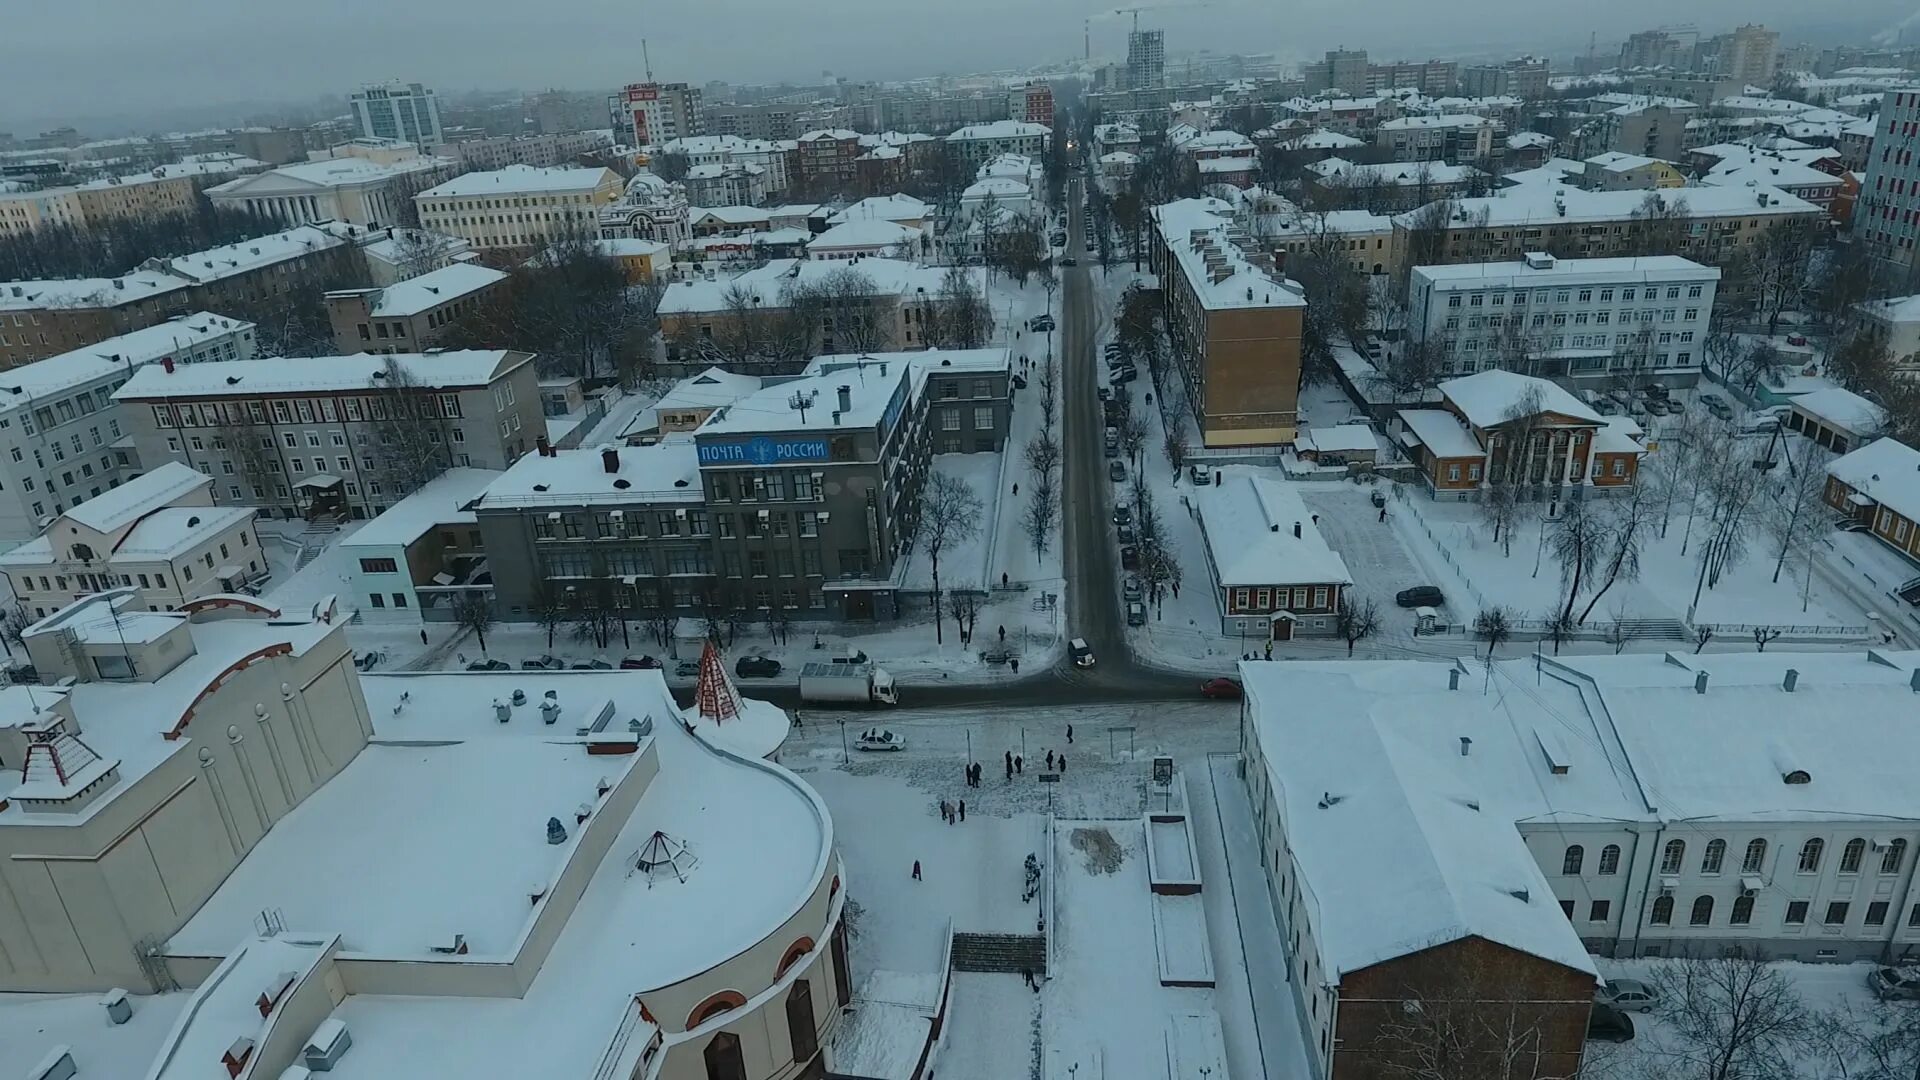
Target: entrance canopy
[(320, 482)]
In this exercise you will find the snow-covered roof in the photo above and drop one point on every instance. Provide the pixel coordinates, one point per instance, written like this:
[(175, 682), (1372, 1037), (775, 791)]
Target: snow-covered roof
[(1633, 104), (331, 172), (292, 375), (1618, 435), (1615, 161), (159, 276), (883, 208), (440, 501), (116, 507), (1443, 120), (1339, 438), (1886, 471), (1191, 228), (1899, 309), (1250, 520), (1769, 170), (769, 409), (891, 277), (57, 374), (832, 134), (1224, 140), (1322, 139), (1843, 409), (1762, 104), (615, 247), (1540, 204), (665, 472), (874, 233), (999, 129), (716, 170), (226, 1006), (176, 530), (1335, 170), (1488, 398), (406, 298), (1442, 433), (1518, 273), (761, 238), (521, 180), (1119, 157)]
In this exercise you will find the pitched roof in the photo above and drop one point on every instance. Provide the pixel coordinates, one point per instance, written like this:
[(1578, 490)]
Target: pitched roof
[(288, 375), (1886, 471), (1488, 398), (117, 507), (1843, 409), (1249, 522)]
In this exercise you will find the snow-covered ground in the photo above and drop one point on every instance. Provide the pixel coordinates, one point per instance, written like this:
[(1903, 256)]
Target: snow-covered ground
[(966, 562)]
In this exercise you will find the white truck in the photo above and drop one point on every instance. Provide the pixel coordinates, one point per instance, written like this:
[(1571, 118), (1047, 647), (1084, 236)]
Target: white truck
[(847, 684)]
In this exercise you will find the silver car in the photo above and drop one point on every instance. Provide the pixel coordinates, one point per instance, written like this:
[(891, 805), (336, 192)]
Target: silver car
[(1627, 995)]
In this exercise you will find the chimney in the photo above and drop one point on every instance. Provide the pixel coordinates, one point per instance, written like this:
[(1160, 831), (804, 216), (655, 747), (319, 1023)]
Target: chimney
[(1466, 744), (1453, 678), (1914, 683), (1296, 530), (1700, 683), (609, 459), (166, 362), (119, 283), (540, 444), (1792, 680), (846, 399)]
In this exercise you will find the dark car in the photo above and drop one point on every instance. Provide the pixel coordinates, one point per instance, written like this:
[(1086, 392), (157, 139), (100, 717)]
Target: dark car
[(592, 665), (1117, 471), (1123, 515), (756, 667), (1123, 533), (1609, 1024), (1068, 260), (543, 663), (1040, 323), (489, 665), (1019, 382), (639, 663), (1220, 688), (1129, 558), (1420, 596), (1891, 983)]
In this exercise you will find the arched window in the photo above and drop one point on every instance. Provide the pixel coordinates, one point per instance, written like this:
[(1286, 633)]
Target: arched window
[(721, 1002), (800, 1026), (1742, 910), (1756, 857), (1896, 853), (1573, 860), (795, 951), (1662, 910), (1610, 859), (1810, 855), (1675, 854), (1851, 855), (1716, 854), (1702, 911), (723, 1057)]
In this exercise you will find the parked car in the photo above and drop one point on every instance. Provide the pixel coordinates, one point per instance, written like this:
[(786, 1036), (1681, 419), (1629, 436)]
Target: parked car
[(1420, 596), (1123, 515), (1111, 449), (1117, 471), (1132, 589), (1124, 533), (1796, 339), (1627, 995), (1136, 614), (1129, 558), (639, 663), (1019, 382), (1104, 393), (857, 656), (366, 661), (1040, 323), (1200, 474), (1609, 1024), (1125, 375), (756, 667), (1890, 983), (543, 663), (1606, 407), (1068, 260), (881, 739), (489, 665), (687, 669), (1220, 688), (593, 665), (1081, 652), (1759, 425), (1710, 400)]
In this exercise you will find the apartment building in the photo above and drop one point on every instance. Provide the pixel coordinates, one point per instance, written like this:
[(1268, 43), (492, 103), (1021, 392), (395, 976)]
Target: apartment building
[(1719, 222), (409, 316), (63, 440), (981, 143), (544, 151), (775, 158), (316, 436), (827, 160), (1233, 323), (698, 316), (519, 207), (372, 188), (1339, 69), (161, 193), (1435, 78), (651, 113), (1391, 185), (736, 183), (39, 319), (1886, 216), (1460, 139), (158, 534), (1523, 77), (1576, 317), (405, 112), (1614, 171), (1036, 103)]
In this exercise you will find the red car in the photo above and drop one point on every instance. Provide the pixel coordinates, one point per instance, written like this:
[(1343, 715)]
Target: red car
[(1220, 688)]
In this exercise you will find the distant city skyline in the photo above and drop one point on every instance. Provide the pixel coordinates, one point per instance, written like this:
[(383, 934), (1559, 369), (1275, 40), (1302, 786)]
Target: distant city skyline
[(224, 58)]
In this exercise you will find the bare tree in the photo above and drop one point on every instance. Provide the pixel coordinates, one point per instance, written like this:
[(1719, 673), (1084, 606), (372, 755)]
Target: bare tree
[(1577, 539), (412, 432), (1774, 269), (1414, 367), (1041, 515), (964, 601), (1133, 438), (1794, 515), (1175, 447), (1464, 1022), (1669, 467), (670, 166), (1043, 455), (1658, 226), (249, 440), (1701, 636), (849, 304), (1494, 627), (1731, 484), (417, 252), (13, 619), (1627, 525), (1357, 622), (1428, 231), (593, 612), (573, 307), (474, 611), (548, 606), (949, 514), (662, 623), (958, 318), (1730, 1017)]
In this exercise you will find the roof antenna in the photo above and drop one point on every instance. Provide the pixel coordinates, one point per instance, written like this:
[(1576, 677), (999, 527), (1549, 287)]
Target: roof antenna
[(647, 57)]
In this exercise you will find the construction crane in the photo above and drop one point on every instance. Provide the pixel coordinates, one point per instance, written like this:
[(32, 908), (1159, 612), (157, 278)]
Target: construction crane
[(1087, 28)]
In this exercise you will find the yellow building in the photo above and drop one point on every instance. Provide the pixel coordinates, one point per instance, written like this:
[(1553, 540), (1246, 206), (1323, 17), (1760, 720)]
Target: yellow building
[(520, 206)]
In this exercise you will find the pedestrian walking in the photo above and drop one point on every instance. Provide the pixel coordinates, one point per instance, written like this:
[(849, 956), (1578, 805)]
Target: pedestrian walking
[(1027, 974), (423, 635), (1069, 732), (1269, 650), (963, 809), (1009, 770), (1049, 761), (1383, 513), (1016, 489), (1063, 764), (1003, 633), (1019, 765), (916, 869), (945, 810), (1003, 579), (1015, 662)]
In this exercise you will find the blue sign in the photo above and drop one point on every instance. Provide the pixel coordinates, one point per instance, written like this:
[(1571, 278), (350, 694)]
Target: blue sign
[(765, 450)]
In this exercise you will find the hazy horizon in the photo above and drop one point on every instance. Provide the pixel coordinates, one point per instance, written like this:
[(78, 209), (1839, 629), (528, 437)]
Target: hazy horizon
[(225, 58)]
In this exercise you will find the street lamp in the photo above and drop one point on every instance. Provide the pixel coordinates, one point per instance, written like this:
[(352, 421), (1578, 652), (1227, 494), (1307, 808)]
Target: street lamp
[(845, 758)]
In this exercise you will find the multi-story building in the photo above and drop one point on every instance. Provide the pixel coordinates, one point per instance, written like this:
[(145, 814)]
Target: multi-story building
[(1436, 78), (1615, 171), (519, 206), (1146, 58), (1574, 317), (801, 495), (65, 437), (408, 316), (407, 112), (698, 317), (1701, 89), (649, 209), (736, 183), (1352, 116), (770, 120), (1895, 324), (165, 191), (652, 113), (1797, 178), (1651, 127), (981, 143), (774, 157), (317, 435), (1460, 139), (158, 534), (1036, 103), (1233, 324), (373, 188), (1752, 55), (1390, 185), (1274, 577), (1524, 77), (543, 151), (1653, 49), (826, 160), (1886, 216), (1341, 69), (39, 319), (1719, 223), (1499, 426)]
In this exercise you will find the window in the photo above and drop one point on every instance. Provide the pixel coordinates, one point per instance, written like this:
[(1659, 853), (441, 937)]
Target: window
[(116, 666), (1662, 911), (1913, 917), (1810, 855), (1896, 853), (1836, 913), (1796, 912), (723, 1058), (949, 419), (1610, 859), (800, 1024), (1566, 908), (983, 418), (378, 600), (1670, 861), (1756, 856), (1600, 911), (1851, 855), (1716, 854), (1702, 913), (1877, 913), (1571, 862)]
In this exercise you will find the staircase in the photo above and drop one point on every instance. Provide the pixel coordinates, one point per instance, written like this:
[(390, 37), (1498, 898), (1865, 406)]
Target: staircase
[(1653, 629), (308, 552), (1008, 953)]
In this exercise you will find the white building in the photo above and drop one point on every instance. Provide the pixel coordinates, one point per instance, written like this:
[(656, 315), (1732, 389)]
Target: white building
[(979, 143), (63, 437), (1461, 138), (772, 156), (423, 549), (867, 239), (351, 189), (733, 183), (408, 112), (519, 206), (1568, 316), (158, 534), (648, 209), (1896, 323)]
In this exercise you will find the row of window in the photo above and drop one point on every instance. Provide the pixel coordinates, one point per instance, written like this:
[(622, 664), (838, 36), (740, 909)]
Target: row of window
[(770, 486), (1498, 298), (325, 410), (1267, 599), (1753, 861), (1578, 318), (1701, 913)]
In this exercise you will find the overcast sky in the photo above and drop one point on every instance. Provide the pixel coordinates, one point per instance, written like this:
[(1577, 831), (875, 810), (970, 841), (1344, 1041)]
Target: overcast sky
[(77, 59)]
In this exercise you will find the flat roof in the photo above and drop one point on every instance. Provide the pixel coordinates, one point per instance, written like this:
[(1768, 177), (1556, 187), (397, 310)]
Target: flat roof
[(70, 370), (445, 285), (666, 472), (1843, 409), (33, 1025), (441, 501), (458, 368), (870, 388), (876, 233), (225, 1007), (1518, 273), (767, 285), (520, 179), (1540, 204)]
